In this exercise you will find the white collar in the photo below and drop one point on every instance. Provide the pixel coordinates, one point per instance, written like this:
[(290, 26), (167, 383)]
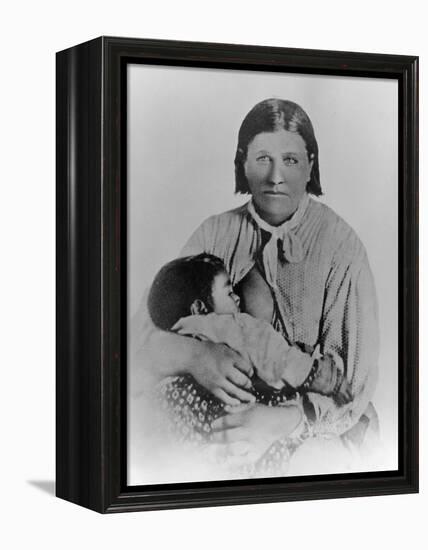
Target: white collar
[(279, 231), (290, 243)]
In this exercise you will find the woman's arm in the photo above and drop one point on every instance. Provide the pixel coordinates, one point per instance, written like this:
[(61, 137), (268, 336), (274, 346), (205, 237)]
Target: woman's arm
[(349, 335), (157, 354)]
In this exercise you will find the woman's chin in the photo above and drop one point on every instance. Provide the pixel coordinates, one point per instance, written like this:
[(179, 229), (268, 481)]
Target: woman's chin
[(277, 211)]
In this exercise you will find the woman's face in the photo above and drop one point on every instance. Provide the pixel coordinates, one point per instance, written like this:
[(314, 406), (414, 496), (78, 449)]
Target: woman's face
[(277, 169)]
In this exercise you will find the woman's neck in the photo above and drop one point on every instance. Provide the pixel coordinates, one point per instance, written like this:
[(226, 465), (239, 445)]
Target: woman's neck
[(273, 219)]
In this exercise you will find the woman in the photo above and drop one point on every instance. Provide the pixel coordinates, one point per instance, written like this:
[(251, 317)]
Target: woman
[(296, 264)]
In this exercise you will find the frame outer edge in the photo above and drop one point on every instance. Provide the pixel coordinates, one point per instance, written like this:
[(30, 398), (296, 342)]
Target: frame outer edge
[(78, 275), (412, 259), (88, 278)]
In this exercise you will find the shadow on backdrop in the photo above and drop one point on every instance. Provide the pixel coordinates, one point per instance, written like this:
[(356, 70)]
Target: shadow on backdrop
[(47, 486)]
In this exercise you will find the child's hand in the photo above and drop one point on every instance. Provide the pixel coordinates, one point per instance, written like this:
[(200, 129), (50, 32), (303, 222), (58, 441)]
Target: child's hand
[(330, 381), (326, 377), (344, 395)]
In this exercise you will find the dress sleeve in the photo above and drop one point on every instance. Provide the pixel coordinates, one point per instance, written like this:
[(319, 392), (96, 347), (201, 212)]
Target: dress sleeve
[(350, 336), (202, 239), (141, 375)]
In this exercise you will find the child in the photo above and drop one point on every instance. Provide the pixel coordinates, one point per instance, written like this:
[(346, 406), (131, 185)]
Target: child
[(193, 296)]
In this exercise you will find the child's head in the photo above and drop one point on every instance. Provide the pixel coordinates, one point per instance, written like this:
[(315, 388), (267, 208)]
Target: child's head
[(194, 285)]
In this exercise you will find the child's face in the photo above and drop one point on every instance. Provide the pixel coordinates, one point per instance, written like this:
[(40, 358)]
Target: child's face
[(223, 297)]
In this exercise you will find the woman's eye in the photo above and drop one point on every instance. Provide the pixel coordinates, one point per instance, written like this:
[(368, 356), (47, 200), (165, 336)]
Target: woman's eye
[(264, 159), (289, 161)]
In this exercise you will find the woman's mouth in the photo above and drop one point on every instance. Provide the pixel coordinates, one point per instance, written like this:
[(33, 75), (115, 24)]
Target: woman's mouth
[(274, 193)]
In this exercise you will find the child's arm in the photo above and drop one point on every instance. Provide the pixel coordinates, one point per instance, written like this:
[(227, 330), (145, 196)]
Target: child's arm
[(298, 365), (306, 371)]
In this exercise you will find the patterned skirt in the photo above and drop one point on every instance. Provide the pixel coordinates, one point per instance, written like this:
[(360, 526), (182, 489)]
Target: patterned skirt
[(190, 411)]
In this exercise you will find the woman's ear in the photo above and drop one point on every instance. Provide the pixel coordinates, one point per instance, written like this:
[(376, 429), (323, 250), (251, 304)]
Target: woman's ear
[(311, 165), (198, 308)]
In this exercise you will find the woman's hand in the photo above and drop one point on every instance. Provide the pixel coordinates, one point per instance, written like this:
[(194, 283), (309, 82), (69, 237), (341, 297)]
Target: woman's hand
[(223, 372), (216, 367), (248, 431)]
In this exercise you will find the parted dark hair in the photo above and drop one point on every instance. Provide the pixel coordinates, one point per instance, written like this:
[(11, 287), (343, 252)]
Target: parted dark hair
[(178, 284), (271, 115)]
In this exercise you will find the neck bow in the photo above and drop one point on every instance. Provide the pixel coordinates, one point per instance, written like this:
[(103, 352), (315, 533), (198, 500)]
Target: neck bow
[(282, 238)]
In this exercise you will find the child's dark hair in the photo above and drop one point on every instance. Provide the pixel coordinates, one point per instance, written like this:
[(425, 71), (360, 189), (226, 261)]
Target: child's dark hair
[(178, 284)]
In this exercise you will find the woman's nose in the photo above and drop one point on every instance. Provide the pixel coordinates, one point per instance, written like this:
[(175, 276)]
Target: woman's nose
[(237, 299), (276, 176)]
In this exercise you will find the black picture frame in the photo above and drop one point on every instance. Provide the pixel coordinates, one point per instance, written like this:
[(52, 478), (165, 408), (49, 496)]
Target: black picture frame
[(91, 274)]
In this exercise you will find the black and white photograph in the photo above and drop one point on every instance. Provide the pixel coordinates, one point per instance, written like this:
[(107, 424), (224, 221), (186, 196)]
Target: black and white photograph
[(262, 274)]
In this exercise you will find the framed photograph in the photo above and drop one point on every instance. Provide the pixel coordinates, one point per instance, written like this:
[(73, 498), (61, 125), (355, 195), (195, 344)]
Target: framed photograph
[(237, 276)]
